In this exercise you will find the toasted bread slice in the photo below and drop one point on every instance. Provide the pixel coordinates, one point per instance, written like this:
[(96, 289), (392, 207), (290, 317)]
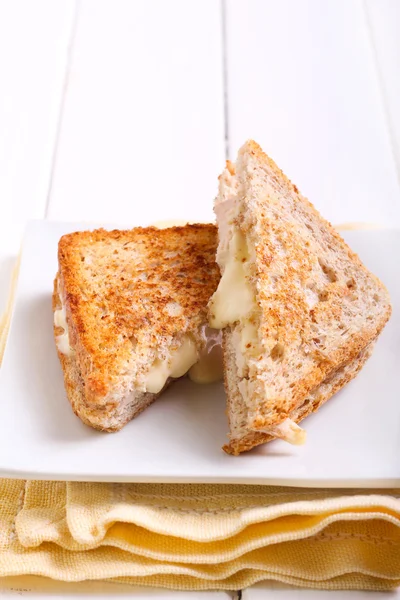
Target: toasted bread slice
[(241, 439), (296, 303), (130, 312)]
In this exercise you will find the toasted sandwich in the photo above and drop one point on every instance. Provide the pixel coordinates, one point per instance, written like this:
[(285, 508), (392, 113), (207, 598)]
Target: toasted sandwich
[(130, 314), (299, 311)]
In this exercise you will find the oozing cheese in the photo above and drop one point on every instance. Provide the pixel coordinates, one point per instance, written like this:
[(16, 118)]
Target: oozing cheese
[(205, 367), (176, 365), (62, 340), (234, 298), (288, 431)]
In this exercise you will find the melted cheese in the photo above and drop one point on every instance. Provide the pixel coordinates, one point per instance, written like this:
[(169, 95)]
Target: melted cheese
[(62, 340), (288, 431), (234, 299), (176, 365)]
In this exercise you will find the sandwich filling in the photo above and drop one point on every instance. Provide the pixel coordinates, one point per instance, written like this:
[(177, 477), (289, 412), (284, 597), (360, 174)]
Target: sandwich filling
[(60, 320), (176, 365), (234, 305), (234, 298), (202, 366)]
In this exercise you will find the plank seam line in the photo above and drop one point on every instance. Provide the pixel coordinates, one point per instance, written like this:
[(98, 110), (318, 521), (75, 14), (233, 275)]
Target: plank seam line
[(225, 78), (68, 62), (395, 149)]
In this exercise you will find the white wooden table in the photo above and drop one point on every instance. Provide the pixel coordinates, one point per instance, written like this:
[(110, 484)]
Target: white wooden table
[(125, 110)]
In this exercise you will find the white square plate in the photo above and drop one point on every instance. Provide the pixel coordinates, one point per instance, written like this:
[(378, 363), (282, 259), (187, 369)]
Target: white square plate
[(353, 441)]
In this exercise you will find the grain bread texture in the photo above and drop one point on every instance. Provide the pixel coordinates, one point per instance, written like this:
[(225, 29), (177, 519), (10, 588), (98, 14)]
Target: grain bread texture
[(241, 438), (317, 308), (130, 298)]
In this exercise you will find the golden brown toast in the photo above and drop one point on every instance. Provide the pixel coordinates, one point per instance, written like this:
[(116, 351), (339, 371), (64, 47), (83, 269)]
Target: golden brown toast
[(130, 299)]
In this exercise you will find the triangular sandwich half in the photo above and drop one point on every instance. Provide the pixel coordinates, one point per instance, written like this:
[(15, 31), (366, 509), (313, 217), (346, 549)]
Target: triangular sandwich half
[(299, 310), (130, 313)]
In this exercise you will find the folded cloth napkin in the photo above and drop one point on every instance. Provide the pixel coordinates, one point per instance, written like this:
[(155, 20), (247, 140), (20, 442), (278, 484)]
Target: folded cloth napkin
[(198, 537)]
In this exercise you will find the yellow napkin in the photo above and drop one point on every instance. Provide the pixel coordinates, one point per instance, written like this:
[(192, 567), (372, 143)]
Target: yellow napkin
[(198, 537)]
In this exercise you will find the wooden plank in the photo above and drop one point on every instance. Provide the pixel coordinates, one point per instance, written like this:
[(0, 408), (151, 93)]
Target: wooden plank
[(34, 40), (383, 17), (302, 82), (142, 135)]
